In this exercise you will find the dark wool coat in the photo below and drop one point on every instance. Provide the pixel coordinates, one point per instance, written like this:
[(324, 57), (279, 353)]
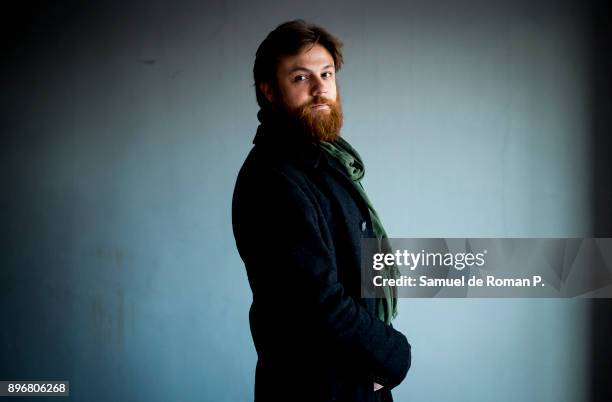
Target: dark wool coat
[(298, 224)]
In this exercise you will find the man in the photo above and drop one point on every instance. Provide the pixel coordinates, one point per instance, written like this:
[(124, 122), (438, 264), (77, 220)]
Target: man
[(299, 214)]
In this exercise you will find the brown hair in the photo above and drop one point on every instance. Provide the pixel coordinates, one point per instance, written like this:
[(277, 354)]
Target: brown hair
[(288, 39)]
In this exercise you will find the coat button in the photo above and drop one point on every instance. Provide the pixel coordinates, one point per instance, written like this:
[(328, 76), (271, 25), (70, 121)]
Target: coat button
[(363, 226)]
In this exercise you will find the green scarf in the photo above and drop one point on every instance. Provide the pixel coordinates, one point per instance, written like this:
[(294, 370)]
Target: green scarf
[(347, 156)]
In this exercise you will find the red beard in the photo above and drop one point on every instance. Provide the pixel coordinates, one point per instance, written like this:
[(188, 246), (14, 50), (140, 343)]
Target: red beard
[(320, 125)]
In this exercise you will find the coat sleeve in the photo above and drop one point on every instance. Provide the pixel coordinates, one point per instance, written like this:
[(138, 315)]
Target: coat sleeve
[(279, 213)]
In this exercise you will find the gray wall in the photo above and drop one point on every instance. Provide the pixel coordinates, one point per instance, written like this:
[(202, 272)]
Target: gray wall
[(124, 128)]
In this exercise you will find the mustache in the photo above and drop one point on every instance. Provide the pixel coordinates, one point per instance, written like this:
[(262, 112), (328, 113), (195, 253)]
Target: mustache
[(318, 100)]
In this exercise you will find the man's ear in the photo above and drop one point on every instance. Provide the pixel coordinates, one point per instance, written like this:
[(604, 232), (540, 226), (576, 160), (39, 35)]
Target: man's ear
[(266, 89)]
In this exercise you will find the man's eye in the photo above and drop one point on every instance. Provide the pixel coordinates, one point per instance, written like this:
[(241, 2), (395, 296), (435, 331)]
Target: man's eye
[(298, 78), (327, 74)]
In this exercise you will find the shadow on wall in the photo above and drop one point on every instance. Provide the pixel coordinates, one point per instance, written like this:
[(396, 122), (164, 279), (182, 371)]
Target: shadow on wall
[(601, 109)]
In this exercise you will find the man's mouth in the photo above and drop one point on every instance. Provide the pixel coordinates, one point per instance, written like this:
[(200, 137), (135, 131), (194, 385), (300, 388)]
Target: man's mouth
[(320, 106)]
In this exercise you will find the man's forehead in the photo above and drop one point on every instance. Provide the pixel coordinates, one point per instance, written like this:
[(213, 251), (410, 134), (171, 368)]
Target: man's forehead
[(311, 57)]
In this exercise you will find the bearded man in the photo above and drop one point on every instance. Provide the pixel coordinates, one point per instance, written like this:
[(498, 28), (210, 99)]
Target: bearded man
[(299, 214)]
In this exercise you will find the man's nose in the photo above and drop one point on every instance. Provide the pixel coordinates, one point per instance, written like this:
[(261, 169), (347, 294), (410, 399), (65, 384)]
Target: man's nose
[(319, 86)]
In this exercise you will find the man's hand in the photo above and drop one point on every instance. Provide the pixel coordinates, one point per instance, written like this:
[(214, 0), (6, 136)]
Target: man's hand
[(377, 386)]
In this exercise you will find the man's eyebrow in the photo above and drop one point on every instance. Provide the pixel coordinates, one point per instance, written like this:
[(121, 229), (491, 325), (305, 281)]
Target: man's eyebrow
[(300, 68)]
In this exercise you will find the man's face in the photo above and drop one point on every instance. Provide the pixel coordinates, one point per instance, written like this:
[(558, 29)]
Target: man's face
[(306, 90), (302, 77)]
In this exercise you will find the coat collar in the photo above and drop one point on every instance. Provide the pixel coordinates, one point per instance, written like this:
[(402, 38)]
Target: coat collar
[(280, 134), (285, 138)]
